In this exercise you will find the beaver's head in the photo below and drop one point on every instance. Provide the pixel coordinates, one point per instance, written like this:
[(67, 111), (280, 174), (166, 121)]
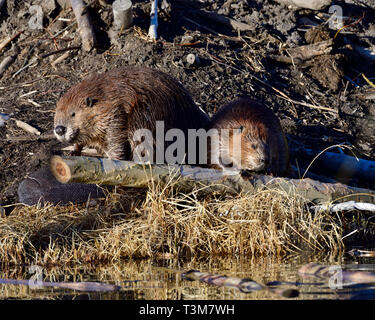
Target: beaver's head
[(75, 118), (245, 148)]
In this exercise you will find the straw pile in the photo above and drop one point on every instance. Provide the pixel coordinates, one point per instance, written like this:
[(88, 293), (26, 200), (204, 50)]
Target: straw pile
[(160, 222)]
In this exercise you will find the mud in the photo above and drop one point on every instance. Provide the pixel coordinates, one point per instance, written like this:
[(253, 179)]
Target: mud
[(230, 66)]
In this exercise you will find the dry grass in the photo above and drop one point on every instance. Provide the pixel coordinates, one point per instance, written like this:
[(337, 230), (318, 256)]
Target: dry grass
[(161, 222)]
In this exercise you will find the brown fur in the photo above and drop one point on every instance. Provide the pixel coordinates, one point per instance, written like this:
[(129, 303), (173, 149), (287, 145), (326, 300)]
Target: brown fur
[(120, 102), (263, 143)]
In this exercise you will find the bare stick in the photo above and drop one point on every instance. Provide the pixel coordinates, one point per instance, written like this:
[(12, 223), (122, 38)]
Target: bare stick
[(5, 64), (84, 25), (25, 126), (302, 53), (153, 30), (127, 173), (60, 59)]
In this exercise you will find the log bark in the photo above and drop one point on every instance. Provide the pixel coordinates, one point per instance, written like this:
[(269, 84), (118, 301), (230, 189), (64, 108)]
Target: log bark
[(186, 178), (42, 187), (85, 28)]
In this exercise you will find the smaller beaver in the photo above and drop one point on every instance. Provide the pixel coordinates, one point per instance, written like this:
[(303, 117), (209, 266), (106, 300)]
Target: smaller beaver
[(255, 140)]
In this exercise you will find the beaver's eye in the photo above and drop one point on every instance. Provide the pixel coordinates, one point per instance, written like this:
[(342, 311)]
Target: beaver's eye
[(73, 114), (241, 128), (254, 146), (90, 102)]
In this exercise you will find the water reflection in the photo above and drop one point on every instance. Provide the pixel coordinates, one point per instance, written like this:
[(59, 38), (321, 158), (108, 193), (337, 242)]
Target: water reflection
[(162, 279)]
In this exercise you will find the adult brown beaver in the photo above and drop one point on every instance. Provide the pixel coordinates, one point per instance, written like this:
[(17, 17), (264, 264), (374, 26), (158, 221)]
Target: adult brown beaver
[(255, 140), (106, 109)]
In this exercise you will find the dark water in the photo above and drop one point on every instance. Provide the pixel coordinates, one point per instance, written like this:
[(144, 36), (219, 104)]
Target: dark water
[(163, 280)]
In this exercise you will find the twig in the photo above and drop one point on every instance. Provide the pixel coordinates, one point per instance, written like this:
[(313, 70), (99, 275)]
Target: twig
[(60, 59), (25, 126), (349, 25), (32, 61), (84, 25), (59, 51), (368, 81), (9, 40)]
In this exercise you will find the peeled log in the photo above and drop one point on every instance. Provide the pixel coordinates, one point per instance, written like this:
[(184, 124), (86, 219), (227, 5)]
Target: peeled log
[(186, 178)]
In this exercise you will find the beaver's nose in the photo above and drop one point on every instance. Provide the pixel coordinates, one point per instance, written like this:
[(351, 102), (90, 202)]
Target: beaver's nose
[(60, 130)]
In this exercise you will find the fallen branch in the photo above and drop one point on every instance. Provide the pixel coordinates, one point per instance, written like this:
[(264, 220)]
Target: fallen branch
[(85, 28), (302, 53), (186, 178)]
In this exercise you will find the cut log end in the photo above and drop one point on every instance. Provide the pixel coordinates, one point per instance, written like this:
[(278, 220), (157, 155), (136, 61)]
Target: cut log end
[(60, 169)]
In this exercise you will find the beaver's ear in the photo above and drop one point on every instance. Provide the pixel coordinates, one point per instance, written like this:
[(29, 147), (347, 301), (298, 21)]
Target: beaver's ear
[(90, 102)]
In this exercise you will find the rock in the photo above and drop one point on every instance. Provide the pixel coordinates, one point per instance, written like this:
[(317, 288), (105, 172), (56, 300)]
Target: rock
[(48, 6), (36, 20), (306, 4), (192, 59), (64, 4)]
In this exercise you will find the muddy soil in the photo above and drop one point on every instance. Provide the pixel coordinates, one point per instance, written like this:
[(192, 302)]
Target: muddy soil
[(231, 64)]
